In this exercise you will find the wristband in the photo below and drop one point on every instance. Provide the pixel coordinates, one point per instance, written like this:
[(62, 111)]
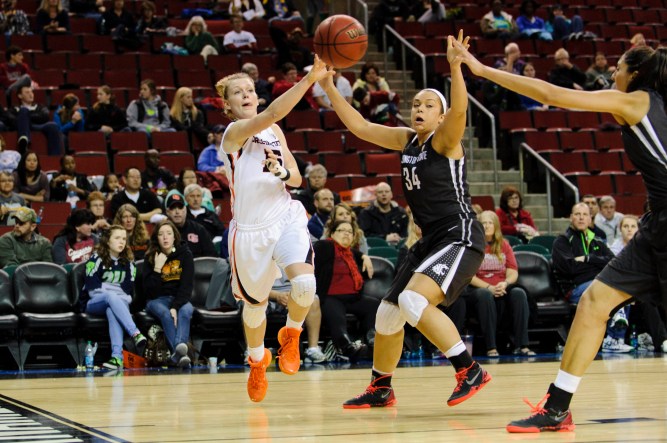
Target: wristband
[(282, 173)]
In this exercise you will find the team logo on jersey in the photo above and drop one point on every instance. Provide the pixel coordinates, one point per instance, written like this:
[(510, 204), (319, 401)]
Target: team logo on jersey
[(440, 268)]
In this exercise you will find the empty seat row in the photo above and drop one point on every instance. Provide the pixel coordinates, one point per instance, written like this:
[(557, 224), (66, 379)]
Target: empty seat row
[(566, 140)]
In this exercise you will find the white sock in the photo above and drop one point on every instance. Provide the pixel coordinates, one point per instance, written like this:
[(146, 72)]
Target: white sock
[(256, 354), (293, 324), (458, 349), (567, 382), (313, 348), (381, 372)]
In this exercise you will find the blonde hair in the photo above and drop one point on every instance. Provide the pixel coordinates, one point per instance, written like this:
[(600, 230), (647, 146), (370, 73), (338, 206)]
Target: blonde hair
[(223, 85), (194, 20), (45, 5), (139, 235), (497, 241), (176, 111)]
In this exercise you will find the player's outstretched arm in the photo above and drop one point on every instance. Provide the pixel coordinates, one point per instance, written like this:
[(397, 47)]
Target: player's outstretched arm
[(447, 138), (383, 136), (276, 111), (627, 108)]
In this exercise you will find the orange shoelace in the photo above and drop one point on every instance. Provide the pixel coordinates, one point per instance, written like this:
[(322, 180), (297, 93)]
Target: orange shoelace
[(290, 350), (537, 409)]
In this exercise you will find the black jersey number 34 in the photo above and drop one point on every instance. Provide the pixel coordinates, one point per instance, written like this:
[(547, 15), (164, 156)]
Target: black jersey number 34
[(411, 178)]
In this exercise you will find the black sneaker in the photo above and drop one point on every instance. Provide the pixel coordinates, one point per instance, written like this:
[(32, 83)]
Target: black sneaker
[(543, 420), (373, 397), (22, 144), (355, 351), (468, 382)]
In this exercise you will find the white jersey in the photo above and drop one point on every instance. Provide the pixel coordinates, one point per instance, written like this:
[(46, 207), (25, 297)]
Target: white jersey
[(258, 196)]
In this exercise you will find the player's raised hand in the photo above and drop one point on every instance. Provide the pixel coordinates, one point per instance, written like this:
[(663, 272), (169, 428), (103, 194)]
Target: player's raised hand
[(459, 50), (319, 71), (455, 53)]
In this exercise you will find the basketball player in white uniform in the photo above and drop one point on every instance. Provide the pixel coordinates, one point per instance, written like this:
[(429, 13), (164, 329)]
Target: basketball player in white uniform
[(268, 228)]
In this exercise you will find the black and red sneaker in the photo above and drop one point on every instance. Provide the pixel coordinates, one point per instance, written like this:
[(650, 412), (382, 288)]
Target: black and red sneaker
[(375, 396), (543, 420), (468, 382)]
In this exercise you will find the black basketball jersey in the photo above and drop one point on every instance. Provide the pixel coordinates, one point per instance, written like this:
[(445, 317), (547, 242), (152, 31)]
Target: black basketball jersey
[(646, 146), (435, 186)]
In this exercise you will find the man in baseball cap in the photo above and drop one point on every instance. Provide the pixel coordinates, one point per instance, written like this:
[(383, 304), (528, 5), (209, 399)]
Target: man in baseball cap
[(23, 245)]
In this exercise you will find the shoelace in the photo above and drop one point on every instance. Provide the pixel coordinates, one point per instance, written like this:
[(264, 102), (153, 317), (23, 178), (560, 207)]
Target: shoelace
[(369, 390), (256, 372), (288, 350), (460, 378), (537, 409)]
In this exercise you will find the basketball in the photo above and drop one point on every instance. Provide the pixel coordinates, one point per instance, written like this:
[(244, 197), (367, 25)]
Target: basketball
[(340, 41)]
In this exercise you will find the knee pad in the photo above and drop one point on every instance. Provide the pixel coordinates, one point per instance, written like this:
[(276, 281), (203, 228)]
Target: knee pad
[(412, 306), (388, 319), (254, 315), (303, 289)]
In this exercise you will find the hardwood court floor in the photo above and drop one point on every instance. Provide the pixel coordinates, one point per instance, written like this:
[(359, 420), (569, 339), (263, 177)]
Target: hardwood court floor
[(620, 399)]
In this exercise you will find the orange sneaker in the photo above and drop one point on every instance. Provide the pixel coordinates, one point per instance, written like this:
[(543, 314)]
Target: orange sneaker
[(289, 359), (257, 383)]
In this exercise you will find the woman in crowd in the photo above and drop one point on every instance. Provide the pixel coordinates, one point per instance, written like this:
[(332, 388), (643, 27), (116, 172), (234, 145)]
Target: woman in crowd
[(185, 116), (343, 212), (96, 204), (629, 226), (514, 220), (339, 273), (530, 25), (198, 40), (69, 185), (491, 291), (69, 116), (528, 103), (109, 285), (149, 23), (30, 182), (105, 116), (188, 176), (127, 216), (168, 275), (75, 243), (378, 97), (51, 18), (599, 75)]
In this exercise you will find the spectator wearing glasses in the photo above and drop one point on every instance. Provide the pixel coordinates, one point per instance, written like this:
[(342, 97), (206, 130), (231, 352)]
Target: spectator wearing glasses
[(514, 220)]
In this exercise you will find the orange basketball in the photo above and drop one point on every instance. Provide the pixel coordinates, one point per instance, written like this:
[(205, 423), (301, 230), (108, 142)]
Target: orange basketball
[(340, 41)]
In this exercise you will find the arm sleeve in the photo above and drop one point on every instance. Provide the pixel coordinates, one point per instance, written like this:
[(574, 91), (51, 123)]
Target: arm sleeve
[(93, 269), (510, 259), (46, 252), (44, 184)]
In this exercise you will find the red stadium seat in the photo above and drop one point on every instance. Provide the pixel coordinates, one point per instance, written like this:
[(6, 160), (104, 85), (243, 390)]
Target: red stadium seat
[(175, 161), (128, 159), (603, 162), (485, 201), (354, 143), (296, 141), (84, 78), (597, 185), (543, 141), (576, 141), (63, 43), (568, 162), (188, 63), (382, 164), (549, 119), (92, 163), (170, 141), (515, 119), (629, 184), (343, 164), (129, 141), (325, 141), (54, 212), (303, 120), (87, 141), (608, 140), (85, 62)]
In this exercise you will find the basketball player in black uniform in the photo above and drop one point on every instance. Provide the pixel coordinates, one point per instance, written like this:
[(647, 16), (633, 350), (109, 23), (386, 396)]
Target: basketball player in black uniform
[(443, 262), (639, 272)]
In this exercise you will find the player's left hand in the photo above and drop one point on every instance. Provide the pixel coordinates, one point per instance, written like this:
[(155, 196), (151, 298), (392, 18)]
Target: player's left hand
[(455, 53), (271, 162)]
